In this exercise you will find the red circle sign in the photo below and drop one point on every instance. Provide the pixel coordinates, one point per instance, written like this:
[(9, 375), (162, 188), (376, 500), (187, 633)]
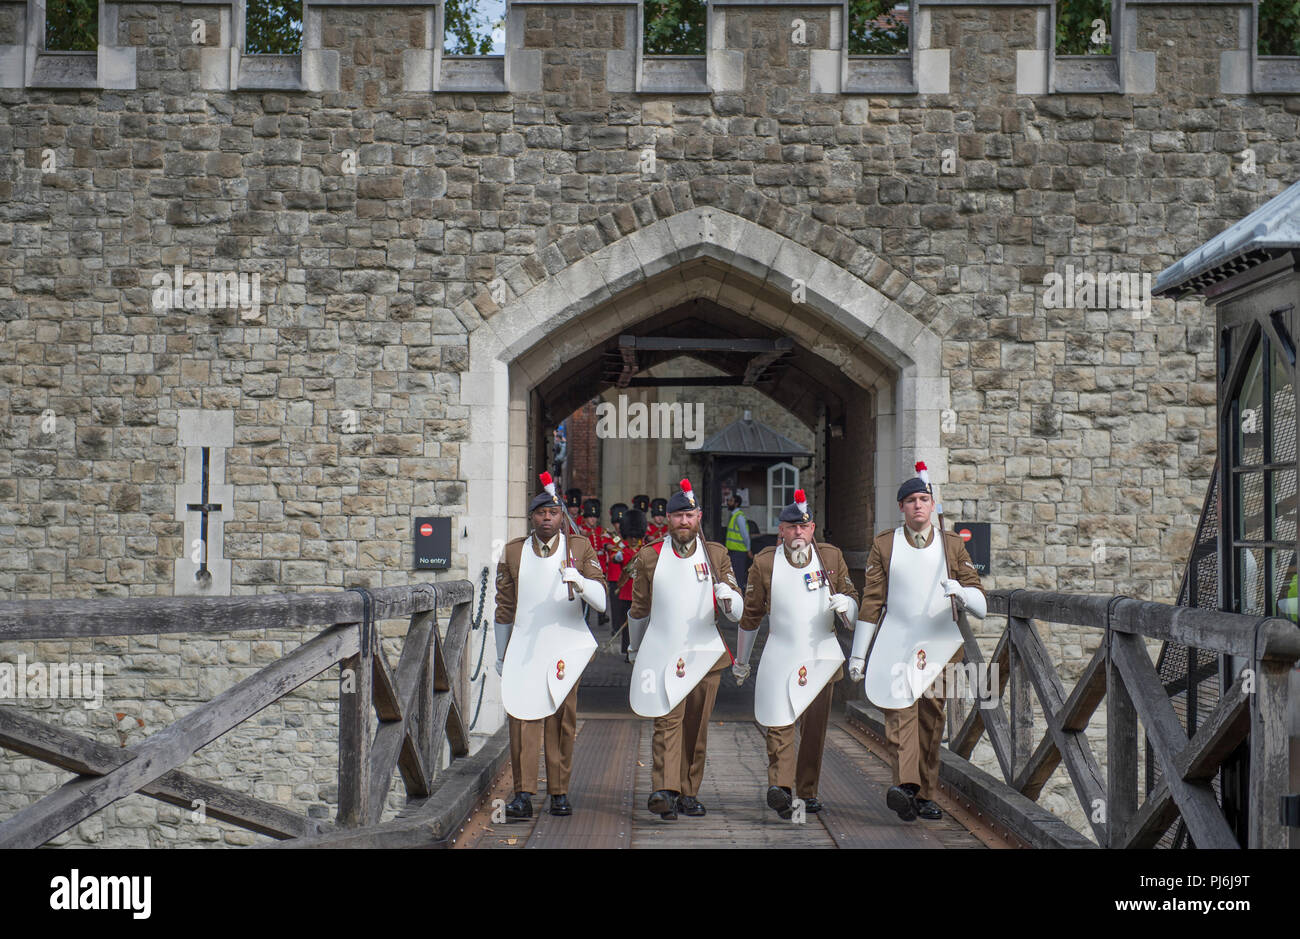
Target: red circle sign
[(965, 534), (426, 529)]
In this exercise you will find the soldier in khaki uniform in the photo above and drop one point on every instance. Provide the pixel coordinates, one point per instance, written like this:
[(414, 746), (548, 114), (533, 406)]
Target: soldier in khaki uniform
[(681, 735), (559, 729), (792, 644), (914, 732)]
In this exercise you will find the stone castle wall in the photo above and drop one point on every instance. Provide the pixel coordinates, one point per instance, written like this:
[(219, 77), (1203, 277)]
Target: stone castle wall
[(1070, 430)]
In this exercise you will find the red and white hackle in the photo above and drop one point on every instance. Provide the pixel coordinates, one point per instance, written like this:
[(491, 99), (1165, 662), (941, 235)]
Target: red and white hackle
[(801, 501), (924, 475)]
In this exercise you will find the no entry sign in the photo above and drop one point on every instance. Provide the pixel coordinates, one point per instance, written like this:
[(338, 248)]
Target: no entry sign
[(976, 537), (432, 544)]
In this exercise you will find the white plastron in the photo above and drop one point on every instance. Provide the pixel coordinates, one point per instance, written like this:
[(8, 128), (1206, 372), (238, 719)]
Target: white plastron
[(918, 635), (550, 644), (680, 638), (801, 635)]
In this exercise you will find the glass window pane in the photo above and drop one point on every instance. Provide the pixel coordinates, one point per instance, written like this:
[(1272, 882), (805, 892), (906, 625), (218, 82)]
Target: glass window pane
[(273, 27), (1284, 505), (1250, 506), (1279, 28), (1284, 584), (1077, 29), (879, 27), (674, 27), (1283, 416), (1249, 432), (1250, 580), (71, 25), (474, 27)]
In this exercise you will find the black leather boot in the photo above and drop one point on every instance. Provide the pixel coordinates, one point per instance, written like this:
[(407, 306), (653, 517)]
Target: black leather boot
[(928, 809), (689, 805), (560, 804), (663, 802), (778, 799), (521, 806), (902, 799), (813, 805)]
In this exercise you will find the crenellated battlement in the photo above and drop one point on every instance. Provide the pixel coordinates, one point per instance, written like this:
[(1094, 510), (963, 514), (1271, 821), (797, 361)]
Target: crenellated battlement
[(955, 47)]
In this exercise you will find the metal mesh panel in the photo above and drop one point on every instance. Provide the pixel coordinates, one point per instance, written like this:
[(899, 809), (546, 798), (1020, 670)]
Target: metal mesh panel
[(1283, 415), (1191, 676)]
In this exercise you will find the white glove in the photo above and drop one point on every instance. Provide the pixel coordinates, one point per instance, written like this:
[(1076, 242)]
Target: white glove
[(618, 556), (732, 603), (970, 598), (840, 603), (741, 672), (857, 669), (593, 591)]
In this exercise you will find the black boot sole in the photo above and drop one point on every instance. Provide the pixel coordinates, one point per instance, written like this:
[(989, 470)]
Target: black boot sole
[(899, 802)]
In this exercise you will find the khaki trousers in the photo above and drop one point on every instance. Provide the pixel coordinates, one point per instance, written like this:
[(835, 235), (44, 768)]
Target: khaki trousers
[(526, 741), (681, 737), (805, 770), (914, 734)]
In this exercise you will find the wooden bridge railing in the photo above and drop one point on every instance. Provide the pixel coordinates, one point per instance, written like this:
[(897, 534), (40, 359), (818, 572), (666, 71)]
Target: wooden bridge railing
[(1121, 672), (417, 704)]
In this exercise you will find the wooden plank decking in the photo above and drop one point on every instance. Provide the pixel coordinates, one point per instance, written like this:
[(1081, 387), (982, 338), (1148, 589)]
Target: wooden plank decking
[(609, 810)]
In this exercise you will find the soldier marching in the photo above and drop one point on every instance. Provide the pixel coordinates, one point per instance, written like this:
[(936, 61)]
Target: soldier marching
[(673, 597)]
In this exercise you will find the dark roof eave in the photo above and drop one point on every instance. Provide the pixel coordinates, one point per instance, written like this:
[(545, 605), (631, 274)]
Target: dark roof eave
[(1207, 277)]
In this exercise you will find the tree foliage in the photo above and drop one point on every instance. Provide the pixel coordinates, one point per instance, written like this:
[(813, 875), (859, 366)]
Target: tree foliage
[(1279, 27), (467, 30), (72, 25), (1075, 32), (875, 28), (674, 27), (274, 27)]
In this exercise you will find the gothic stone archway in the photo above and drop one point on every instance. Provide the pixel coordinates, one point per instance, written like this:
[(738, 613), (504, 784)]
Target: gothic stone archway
[(560, 304)]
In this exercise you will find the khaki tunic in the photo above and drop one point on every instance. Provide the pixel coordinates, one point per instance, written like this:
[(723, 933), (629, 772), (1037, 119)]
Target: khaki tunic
[(559, 729), (800, 773), (681, 736), (915, 732)]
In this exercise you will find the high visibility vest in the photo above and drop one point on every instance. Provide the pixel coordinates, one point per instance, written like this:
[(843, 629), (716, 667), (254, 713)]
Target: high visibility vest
[(735, 538)]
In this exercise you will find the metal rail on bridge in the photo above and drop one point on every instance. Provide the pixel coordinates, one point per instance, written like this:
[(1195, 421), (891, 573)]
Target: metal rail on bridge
[(1254, 708), (418, 704)]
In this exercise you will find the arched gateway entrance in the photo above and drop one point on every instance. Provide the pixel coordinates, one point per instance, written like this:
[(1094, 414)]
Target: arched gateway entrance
[(863, 372)]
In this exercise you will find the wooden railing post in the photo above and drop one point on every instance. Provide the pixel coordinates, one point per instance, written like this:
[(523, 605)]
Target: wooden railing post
[(1121, 757), (1270, 756), (1022, 711), (462, 683), (356, 696), (429, 731)]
